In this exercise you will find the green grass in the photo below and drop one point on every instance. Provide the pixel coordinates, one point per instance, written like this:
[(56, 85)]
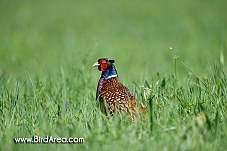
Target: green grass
[(169, 53)]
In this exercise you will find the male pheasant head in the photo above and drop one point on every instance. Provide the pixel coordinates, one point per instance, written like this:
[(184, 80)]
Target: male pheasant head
[(107, 67)]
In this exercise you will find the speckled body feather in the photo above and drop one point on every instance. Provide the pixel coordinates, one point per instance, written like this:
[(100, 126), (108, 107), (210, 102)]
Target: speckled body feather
[(113, 96)]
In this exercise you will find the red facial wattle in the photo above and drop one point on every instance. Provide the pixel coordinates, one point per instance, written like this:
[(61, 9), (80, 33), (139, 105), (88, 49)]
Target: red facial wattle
[(103, 64)]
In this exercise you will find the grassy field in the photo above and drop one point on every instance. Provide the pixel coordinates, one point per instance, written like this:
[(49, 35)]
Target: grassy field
[(169, 53)]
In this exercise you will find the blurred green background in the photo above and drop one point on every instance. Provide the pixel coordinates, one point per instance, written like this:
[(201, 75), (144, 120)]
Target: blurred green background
[(44, 37)]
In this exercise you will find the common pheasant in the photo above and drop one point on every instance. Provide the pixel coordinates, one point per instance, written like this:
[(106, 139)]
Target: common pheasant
[(112, 95)]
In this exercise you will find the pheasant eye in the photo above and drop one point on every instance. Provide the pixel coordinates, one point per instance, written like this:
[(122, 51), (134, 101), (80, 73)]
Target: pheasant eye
[(104, 62)]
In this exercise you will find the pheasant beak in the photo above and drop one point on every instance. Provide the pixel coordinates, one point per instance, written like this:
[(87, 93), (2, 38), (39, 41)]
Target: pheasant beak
[(96, 64)]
